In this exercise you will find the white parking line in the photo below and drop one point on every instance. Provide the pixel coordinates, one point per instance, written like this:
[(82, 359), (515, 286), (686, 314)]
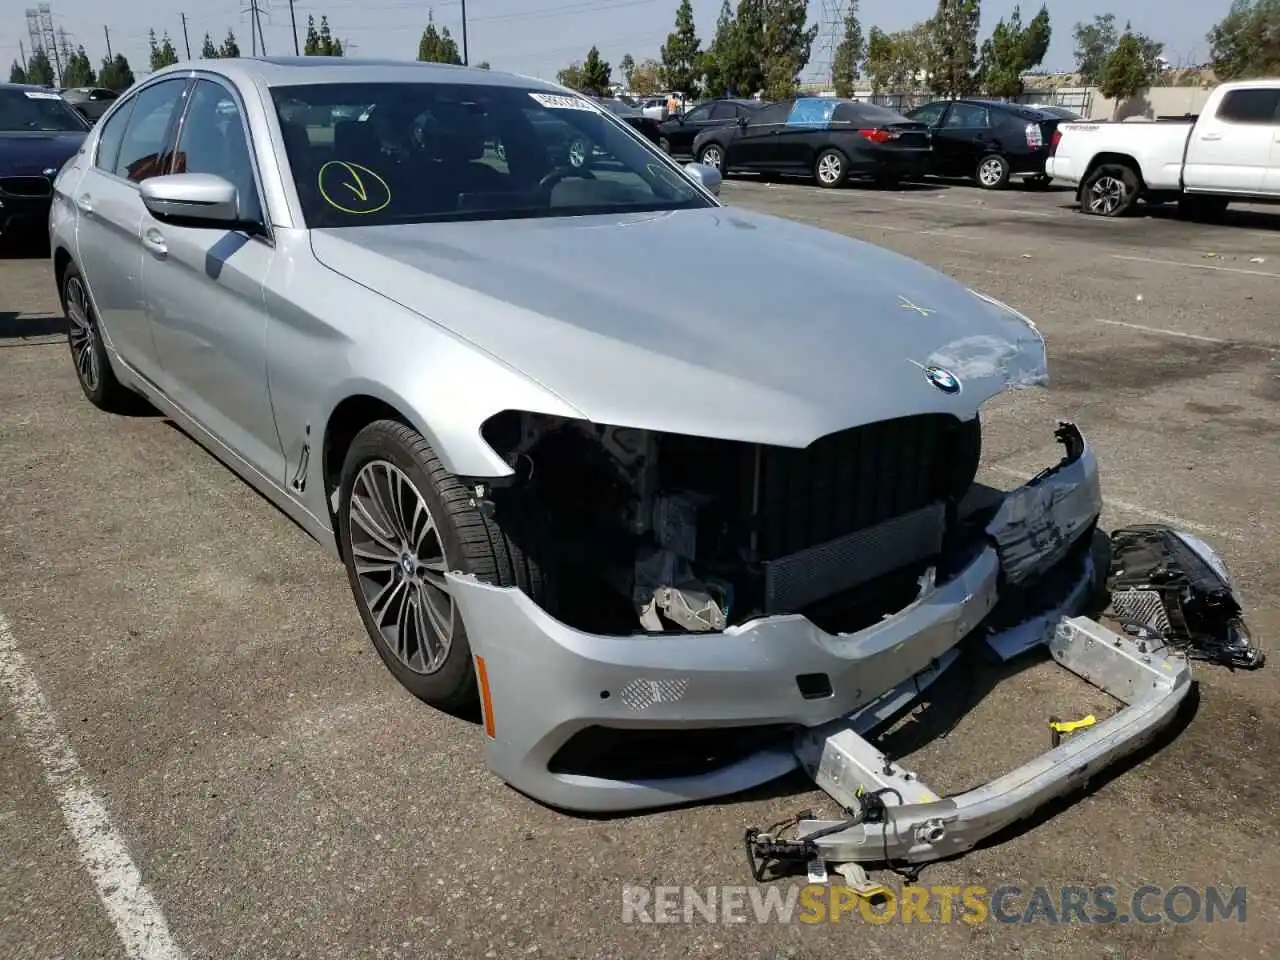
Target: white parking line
[(975, 208), (1198, 266), (938, 232), (139, 923), (1161, 331), (1159, 516)]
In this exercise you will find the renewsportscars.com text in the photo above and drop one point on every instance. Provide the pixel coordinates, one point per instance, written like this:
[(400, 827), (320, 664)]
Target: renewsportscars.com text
[(972, 905)]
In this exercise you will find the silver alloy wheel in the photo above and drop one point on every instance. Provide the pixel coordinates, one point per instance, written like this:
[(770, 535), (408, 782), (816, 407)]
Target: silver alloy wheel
[(711, 157), (829, 168), (400, 564), (1106, 194), (577, 153), (82, 334), (991, 171)]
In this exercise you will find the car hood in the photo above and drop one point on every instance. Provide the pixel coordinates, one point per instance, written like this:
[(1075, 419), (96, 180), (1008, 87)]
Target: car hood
[(30, 154), (715, 322)]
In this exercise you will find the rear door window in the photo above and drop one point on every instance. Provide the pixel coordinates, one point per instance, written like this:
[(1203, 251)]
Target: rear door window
[(1257, 105), (968, 115)]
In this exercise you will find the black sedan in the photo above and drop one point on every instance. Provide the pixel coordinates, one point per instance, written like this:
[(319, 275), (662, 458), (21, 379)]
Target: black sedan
[(989, 140), (92, 102), (827, 138), (647, 126), (39, 132), (676, 135)]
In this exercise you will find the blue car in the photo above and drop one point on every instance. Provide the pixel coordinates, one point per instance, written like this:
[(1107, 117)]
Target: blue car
[(39, 132)]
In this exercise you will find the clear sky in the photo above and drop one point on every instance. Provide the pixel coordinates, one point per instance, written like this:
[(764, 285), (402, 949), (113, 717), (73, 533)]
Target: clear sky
[(539, 36)]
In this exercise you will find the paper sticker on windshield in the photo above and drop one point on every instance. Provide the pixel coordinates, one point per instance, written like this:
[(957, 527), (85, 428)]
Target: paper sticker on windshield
[(41, 95), (352, 188), (555, 101)]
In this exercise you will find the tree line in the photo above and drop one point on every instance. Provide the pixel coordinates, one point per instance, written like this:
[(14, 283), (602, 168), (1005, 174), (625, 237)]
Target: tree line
[(761, 47)]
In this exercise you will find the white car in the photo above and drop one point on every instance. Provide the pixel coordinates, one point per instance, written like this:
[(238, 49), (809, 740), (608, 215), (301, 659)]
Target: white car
[(1231, 151)]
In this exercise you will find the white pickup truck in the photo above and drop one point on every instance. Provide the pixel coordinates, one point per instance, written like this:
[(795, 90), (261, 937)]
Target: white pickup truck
[(1231, 151)]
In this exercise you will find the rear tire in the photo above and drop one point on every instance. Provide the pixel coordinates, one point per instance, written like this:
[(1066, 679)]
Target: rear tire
[(992, 172), (393, 481), (1111, 190), (830, 169), (712, 155), (88, 350)]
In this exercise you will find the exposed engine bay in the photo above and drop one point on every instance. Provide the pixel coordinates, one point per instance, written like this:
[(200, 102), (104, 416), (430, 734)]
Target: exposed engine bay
[(680, 533)]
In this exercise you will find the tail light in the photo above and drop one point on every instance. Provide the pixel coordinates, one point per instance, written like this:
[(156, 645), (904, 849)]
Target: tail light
[(1035, 138), (879, 135), (1053, 142)]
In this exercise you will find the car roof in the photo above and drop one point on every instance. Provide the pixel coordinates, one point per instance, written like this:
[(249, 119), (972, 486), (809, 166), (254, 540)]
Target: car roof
[(26, 86), (294, 71), (1019, 108)]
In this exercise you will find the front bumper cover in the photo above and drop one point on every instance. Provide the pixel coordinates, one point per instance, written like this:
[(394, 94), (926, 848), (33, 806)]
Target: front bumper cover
[(548, 682)]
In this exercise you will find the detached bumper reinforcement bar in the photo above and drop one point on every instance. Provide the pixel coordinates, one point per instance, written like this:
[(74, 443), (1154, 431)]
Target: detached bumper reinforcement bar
[(894, 817)]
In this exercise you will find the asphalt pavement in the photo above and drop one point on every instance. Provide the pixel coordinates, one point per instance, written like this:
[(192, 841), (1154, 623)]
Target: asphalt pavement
[(201, 756)]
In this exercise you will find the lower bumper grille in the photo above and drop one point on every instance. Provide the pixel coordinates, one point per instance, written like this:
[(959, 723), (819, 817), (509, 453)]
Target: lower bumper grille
[(795, 582)]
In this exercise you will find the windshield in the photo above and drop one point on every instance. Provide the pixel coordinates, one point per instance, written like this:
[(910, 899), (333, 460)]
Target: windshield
[(25, 111), (383, 153)]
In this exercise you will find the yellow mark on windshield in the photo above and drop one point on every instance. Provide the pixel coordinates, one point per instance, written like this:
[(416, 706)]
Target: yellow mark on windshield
[(360, 189)]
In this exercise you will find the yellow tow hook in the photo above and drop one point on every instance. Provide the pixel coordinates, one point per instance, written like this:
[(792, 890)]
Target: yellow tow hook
[(1058, 727)]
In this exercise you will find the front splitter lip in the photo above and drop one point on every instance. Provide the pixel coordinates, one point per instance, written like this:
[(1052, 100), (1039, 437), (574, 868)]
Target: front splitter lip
[(548, 681)]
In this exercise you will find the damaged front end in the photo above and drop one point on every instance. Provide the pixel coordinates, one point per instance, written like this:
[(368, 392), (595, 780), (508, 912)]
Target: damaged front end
[(659, 533), (701, 603)]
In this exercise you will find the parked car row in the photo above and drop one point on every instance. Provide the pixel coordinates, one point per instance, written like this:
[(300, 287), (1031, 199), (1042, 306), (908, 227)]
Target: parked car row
[(832, 139)]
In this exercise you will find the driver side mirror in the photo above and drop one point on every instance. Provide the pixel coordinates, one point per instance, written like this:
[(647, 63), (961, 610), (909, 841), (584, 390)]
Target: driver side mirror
[(709, 177), (192, 199)]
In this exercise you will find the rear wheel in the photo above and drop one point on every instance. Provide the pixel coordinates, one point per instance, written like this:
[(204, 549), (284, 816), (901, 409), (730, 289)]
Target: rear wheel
[(712, 155), (1110, 191), (830, 169), (992, 172), (403, 521), (88, 350), (664, 144)]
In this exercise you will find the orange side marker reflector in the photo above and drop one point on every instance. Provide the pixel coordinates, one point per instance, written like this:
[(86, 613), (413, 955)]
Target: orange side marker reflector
[(486, 701)]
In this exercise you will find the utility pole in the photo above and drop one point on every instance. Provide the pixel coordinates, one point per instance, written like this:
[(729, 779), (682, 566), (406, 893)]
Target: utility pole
[(293, 24), (465, 60), (22, 54), (106, 32), (257, 15), (185, 41)]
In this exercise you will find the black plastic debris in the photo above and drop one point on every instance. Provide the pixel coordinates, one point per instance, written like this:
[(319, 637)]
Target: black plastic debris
[(1172, 587)]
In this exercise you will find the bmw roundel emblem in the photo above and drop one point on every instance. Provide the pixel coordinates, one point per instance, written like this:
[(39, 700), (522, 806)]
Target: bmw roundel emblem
[(944, 380)]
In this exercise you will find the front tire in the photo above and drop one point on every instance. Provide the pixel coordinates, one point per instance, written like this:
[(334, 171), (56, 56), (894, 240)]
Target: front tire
[(712, 155), (88, 350), (1110, 191), (830, 169), (403, 521), (992, 172)]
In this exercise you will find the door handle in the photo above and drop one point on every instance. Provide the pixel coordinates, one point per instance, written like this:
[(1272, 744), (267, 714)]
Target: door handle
[(153, 240), (1211, 136), (84, 203)]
